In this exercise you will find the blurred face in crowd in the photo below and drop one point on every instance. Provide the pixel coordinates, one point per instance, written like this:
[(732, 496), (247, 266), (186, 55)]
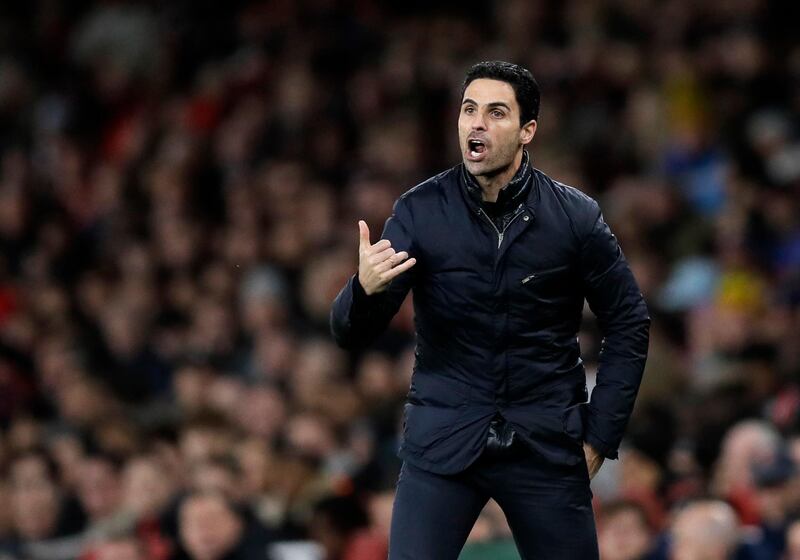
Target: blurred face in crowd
[(793, 541), (704, 531), (310, 434), (489, 131), (34, 498), (147, 489), (191, 386), (254, 460), (623, 535), (209, 528), (215, 476), (68, 452), (200, 443), (98, 488), (262, 411), (747, 443)]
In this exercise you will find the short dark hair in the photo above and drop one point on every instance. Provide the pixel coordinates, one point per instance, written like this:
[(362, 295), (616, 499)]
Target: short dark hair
[(520, 79)]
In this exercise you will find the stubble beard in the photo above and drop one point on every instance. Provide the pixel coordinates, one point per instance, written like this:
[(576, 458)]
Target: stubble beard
[(490, 168)]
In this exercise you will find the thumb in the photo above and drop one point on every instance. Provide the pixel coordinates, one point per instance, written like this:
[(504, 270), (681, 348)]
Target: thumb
[(363, 231)]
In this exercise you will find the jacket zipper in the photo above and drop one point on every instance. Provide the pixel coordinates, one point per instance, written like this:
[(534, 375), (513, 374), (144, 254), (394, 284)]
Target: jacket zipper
[(500, 234)]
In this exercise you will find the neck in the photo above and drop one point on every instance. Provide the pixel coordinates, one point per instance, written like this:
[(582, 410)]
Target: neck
[(492, 184)]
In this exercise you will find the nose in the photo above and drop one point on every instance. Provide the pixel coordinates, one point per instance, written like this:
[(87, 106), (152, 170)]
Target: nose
[(478, 122)]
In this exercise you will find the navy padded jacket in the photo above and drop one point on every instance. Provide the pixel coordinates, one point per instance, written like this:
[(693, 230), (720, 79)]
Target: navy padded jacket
[(497, 315)]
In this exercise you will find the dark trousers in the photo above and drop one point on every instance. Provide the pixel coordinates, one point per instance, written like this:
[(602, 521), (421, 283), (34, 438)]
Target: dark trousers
[(548, 508)]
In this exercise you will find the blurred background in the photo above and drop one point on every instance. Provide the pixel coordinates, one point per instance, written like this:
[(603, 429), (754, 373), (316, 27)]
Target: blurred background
[(179, 189)]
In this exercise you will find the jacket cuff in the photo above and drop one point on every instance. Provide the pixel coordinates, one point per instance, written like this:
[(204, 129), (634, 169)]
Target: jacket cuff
[(362, 303), (601, 447), (360, 297)]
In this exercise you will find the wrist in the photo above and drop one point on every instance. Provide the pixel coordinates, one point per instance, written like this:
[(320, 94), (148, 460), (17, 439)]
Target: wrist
[(360, 287)]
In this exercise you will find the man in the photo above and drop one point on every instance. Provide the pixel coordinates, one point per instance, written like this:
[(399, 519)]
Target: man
[(500, 258), (211, 527), (624, 532), (45, 525), (705, 530)]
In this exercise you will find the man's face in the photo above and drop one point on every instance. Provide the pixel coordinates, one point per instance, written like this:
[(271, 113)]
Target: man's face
[(489, 131), (703, 532), (34, 499), (623, 536), (208, 528), (98, 488)]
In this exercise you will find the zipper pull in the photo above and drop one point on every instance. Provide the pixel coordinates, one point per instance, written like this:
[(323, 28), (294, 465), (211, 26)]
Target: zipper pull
[(528, 278), (499, 239)]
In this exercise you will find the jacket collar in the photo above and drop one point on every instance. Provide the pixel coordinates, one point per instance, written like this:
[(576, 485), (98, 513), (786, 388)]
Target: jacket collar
[(522, 189)]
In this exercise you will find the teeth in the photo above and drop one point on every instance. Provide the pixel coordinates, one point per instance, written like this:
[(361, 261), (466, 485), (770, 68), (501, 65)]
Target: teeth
[(476, 148)]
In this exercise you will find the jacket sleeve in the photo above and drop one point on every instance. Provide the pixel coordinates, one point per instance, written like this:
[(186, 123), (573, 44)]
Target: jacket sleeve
[(356, 318), (614, 297)]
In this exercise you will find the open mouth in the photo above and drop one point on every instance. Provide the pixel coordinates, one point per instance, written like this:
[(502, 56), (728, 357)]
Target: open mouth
[(476, 148)]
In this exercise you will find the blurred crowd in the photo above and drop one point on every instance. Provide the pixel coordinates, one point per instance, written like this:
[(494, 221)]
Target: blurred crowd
[(180, 184)]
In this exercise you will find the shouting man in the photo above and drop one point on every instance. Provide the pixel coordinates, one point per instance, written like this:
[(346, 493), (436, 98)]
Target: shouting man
[(500, 258)]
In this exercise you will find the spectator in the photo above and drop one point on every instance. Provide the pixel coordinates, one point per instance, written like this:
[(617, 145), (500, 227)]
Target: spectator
[(46, 525), (340, 524), (623, 532), (99, 487), (705, 530), (212, 528)]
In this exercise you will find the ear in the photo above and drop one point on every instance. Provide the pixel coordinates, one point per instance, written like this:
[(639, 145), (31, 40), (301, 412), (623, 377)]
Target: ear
[(527, 132)]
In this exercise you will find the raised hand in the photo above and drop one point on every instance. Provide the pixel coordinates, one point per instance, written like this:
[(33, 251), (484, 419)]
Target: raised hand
[(378, 264)]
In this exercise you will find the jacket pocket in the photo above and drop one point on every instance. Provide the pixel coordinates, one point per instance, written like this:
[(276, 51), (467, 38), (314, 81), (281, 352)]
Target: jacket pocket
[(557, 435), (534, 277), (425, 427)]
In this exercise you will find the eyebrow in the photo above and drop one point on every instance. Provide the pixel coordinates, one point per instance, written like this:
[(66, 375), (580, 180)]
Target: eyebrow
[(492, 104)]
